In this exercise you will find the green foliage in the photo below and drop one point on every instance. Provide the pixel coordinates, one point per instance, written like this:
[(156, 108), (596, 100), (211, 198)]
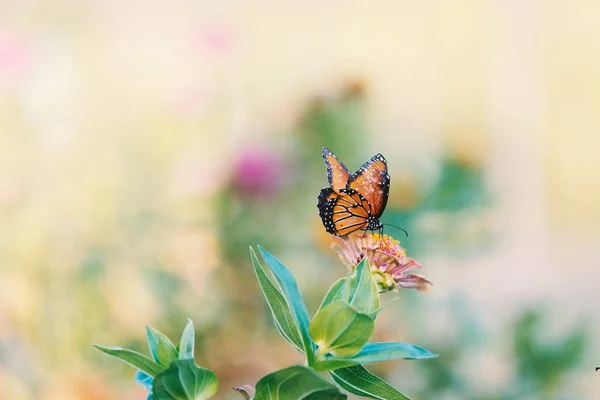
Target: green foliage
[(186, 343), (162, 349), (336, 338), (283, 317), (341, 330), (363, 293), (184, 380), (359, 381), (339, 291), (376, 352), (296, 382), (289, 289), (132, 358), (541, 363), (335, 341), (358, 290)]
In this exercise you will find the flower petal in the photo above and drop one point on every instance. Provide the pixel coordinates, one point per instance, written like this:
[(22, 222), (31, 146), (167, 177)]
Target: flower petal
[(347, 249), (414, 281)]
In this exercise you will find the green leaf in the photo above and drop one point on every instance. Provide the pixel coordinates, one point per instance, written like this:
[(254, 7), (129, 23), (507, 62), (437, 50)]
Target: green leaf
[(296, 382), (393, 350), (291, 293), (377, 352), (133, 358), (341, 330), (186, 344), (359, 381), (184, 380), (162, 349), (339, 291), (282, 315), (364, 295)]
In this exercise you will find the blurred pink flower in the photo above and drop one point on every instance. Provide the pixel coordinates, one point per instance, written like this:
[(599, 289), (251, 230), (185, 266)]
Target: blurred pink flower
[(257, 172), (15, 59), (386, 257), (217, 40)]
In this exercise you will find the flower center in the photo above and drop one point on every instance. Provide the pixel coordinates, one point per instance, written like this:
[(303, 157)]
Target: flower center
[(389, 246)]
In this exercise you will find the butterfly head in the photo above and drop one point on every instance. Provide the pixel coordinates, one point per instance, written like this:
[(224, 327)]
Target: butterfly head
[(373, 224)]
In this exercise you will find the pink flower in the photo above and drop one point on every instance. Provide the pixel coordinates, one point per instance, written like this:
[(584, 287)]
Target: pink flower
[(386, 257), (217, 39), (257, 172), (15, 59)]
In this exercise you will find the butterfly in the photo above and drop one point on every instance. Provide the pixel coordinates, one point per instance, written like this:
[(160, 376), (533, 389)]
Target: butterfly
[(353, 202)]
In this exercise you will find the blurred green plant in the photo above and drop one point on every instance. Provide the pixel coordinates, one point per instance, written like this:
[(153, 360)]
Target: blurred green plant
[(334, 122), (542, 365), (460, 186), (451, 213), (539, 366)]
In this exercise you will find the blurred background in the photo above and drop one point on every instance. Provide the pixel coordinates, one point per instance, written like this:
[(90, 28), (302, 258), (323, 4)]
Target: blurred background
[(144, 145)]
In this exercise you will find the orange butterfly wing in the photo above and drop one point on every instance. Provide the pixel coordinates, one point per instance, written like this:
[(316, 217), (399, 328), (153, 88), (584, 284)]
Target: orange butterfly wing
[(350, 212), (372, 181), (343, 213), (337, 173)]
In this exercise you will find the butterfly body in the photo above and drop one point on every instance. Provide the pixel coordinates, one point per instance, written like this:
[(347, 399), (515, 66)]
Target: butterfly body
[(353, 201)]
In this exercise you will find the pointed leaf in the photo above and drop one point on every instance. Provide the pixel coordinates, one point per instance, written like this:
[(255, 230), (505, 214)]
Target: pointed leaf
[(364, 295), (282, 315), (162, 349), (376, 352), (339, 291), (359, 381), (341, 330), (291, 293), (184, 380), (296, 382), (392, 350), (133, 358), (186, 344)]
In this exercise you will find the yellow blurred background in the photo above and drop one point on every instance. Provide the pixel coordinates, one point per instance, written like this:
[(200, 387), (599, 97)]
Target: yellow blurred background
[(144, 145)]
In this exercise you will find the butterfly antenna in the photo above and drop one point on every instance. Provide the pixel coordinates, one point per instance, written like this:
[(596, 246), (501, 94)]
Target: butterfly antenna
[(397, 227)]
